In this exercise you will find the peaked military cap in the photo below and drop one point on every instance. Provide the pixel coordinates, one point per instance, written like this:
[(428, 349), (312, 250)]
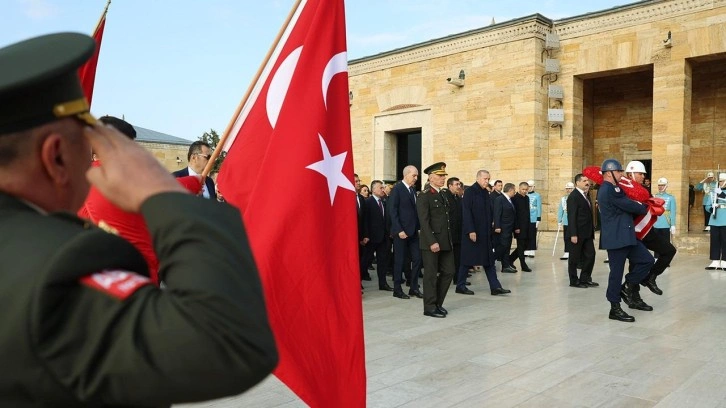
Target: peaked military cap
[(39, 81), (436, 168)]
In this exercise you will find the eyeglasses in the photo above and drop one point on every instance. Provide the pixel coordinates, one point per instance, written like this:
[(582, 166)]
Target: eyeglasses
[(206, 156)]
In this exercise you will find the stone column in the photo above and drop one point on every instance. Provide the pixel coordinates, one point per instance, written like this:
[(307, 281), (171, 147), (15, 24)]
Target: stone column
[(672, 82)]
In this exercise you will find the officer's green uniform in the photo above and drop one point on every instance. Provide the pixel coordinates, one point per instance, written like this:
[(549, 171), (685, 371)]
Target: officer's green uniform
[(433, 214), (82, 327)]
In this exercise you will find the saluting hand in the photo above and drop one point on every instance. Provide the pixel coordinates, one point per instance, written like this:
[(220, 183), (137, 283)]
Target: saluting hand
[(129, 174)]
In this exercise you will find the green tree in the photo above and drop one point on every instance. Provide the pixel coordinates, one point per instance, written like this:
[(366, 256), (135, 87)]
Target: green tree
[(212, 138)]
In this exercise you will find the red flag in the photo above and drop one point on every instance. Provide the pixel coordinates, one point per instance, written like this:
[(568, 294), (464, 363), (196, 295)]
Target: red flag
[(289, 168), (87, 71)]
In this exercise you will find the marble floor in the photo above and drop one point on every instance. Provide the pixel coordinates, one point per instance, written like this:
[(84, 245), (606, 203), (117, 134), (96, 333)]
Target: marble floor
[(544, 345)]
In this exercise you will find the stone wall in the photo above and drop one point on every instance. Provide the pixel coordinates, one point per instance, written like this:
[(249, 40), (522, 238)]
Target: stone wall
[(167, 154)]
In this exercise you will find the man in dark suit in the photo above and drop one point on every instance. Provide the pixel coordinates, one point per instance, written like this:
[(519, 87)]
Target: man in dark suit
[(198, 157), (453, 193), (362, 240), (435, 241), (375, 232), (581, 234), (617, 236), (521, 208), (476, 236), (404, 229), (505, 224), (82, 324), (496, 189)]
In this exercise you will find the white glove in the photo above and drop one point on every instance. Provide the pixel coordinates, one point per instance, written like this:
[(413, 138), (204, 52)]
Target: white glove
[(717, 190), (673, 230), (536, 224), (559, 225)]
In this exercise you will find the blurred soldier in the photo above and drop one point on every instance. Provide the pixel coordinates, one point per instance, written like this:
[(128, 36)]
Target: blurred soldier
[(707, 185), (717, 222), (635, 171), (82, 324), (562, 218), (435, 242), (535, 216), (665, 226), (617, 236)]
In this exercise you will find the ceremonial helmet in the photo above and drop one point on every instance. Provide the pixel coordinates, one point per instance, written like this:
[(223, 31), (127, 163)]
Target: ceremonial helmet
[(611, 165), (635, 167), (569, 185)]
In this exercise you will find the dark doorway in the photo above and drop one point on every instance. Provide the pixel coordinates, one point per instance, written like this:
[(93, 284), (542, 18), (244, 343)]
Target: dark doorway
[(649, 175), (408, 151)]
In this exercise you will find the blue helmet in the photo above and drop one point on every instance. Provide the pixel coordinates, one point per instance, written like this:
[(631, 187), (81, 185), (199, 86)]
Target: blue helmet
[(611, 165)]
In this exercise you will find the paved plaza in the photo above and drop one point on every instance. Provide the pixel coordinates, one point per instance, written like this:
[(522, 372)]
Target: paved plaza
[(544, 345)]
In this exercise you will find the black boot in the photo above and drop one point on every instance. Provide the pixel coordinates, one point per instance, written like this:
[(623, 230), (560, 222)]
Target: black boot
[(626, 293), (638, 302), (649, 283), (616, 313)]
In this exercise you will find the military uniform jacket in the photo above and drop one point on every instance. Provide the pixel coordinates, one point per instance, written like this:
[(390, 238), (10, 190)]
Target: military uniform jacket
[(454, 214), (668, 218), (68, 342), (562, 211), (433, 215), (616, 216), (718, 215), (535, 207), (707, 188)]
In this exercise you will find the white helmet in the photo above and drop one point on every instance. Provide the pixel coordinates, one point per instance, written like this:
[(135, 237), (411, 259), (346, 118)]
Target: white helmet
[(530, 182), (635, 167), (722, 177), (662, 181), (709, 174), (569, 185)]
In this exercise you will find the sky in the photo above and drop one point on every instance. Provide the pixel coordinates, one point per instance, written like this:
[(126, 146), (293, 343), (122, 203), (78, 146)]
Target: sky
[(181, 67)]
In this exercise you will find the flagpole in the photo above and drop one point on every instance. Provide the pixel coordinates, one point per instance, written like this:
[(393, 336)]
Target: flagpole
[(225, 135), (103, 15)]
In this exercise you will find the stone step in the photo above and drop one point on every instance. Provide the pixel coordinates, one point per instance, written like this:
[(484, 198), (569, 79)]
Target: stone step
[(694, 243)]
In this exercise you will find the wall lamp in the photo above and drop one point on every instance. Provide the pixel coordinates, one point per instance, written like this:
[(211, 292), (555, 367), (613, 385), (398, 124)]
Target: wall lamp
[(457, 81)]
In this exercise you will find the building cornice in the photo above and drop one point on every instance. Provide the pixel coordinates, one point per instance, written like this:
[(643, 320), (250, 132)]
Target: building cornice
[(534, 26)]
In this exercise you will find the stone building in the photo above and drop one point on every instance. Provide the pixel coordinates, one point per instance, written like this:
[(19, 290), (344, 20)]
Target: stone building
[(171, 151), (644, 81)]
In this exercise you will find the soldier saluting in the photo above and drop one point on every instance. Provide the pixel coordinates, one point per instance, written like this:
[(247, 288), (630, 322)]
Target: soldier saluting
[(82, 323)]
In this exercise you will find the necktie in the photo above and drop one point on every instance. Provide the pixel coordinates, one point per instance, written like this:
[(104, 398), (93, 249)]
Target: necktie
[(413, 193), (587, 199), (380, 205)]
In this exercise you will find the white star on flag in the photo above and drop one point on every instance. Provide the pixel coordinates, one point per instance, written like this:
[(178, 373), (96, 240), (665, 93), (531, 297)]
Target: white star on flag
[(332, 168)]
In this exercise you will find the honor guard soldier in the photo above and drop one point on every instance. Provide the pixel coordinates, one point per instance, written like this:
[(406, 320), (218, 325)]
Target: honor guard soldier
[(665, 226), (436, 241), (707, 185), (717, 222), (82, 323), (535, 216)]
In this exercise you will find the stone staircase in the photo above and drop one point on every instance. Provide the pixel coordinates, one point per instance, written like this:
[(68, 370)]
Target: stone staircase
[(694, 243)]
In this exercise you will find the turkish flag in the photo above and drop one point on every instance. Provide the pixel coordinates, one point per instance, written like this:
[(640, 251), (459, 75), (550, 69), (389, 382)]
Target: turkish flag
[(289, 169), (87, 71)]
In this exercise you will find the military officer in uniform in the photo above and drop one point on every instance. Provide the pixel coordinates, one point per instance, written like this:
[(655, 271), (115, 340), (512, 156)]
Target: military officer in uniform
[(665, 225), (535, 216), (435, 241), (82, 323), (707, 185), (617, 236), (562, 221)]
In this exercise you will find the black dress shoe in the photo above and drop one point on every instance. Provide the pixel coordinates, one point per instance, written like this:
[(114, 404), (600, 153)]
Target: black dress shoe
[(526, 269), (465, 291), (509, 270), (649, 283), (366, 277), (416, 293), (467, 283), (434, 313), (401, 295), (386, 288), (442, 310), (500, 291), (591, 284), (578, 285), (616, 313)]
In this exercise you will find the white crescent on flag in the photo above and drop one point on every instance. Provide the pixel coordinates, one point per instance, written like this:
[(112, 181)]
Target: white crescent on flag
[(336, 65), (280, 84)]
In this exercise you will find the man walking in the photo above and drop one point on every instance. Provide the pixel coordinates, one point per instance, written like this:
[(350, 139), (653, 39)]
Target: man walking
[(504, 226), (581, 234), (404, 228)]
